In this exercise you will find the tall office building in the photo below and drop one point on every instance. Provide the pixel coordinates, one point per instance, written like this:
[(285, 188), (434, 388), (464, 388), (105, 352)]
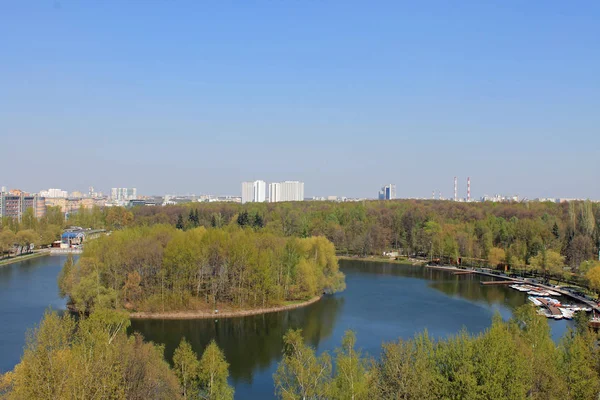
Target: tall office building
[(274, 192), (254, 192), (292, 191), (387, 192)]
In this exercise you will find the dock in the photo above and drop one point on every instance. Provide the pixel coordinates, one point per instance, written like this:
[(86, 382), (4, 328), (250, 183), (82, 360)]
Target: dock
[(497, 282)]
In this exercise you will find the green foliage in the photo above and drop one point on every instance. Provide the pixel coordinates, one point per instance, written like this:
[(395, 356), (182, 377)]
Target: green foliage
[(301, 374), (93, 358), (212, 374), (351, 381), (162, 268), (186, 367)]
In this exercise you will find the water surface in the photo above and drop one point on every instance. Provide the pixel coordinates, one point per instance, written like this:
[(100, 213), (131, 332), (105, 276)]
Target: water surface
[(27, 289), (381, 303)]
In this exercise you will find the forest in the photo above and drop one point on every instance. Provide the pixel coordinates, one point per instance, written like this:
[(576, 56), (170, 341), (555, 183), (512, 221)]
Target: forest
[(93, 357), (161, 268)]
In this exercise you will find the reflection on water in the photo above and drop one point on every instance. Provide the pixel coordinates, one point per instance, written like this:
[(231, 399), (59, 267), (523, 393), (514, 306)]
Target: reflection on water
[(249, 343)]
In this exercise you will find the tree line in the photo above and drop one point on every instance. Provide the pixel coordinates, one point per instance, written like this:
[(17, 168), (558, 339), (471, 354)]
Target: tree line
[(547, 238), (510, 360), (93, 357), (161, 268)]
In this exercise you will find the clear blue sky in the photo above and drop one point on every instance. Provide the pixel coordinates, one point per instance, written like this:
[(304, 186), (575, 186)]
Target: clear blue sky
[(195, 97)]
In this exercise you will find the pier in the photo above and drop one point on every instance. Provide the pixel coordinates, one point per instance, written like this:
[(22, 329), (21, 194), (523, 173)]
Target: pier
[(497, 282)]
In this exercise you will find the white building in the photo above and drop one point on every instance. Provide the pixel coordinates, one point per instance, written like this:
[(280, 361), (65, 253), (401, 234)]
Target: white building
[(388, 192), (254, 192), (274, 192), (292, 191), (123, 194), (54, 193)]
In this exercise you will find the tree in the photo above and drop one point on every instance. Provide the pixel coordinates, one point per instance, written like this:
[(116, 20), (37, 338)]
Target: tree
[(64, 275), (549, 261), (243, 219), (301, 374), (351, 380), (213, 373), (7, 241), (186, 367), (496, 256), (593, 276), (180, 224)]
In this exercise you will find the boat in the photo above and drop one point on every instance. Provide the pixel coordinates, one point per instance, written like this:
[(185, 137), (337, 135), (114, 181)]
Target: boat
[(544, 312), (535, 301), (567, 313)]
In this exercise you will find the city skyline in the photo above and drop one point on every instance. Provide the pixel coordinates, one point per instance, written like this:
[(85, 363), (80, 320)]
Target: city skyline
[(504, 93), (446, 193)]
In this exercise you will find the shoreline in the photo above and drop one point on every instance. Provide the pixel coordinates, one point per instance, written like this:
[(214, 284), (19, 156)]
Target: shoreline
[(450, 268), (403, 261), (227, 314), (20, 258)]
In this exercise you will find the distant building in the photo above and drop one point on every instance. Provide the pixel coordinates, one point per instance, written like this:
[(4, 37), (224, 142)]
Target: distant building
[(3, 189), (123, 194), (387, 192), (254, 192), (274, 192), (292, 191), (14, 206), (54, 194)]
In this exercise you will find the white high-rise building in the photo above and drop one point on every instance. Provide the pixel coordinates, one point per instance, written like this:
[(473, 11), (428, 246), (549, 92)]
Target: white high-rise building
[(260, 191), (274, 192), (247, 192), (388, 192), (254, 192), (292, 191), (123, 194)]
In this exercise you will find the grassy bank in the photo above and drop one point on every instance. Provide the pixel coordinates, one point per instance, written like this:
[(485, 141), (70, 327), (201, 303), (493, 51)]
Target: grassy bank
[(223, 313)]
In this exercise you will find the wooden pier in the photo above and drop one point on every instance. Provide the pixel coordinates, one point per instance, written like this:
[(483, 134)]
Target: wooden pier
[(498, 282)]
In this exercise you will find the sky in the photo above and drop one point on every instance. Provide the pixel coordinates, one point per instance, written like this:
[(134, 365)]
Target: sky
[(197, 96)]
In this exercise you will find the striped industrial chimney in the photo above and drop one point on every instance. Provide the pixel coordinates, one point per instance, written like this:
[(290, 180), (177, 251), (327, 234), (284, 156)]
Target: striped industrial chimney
[(455, 189), (469, 189)]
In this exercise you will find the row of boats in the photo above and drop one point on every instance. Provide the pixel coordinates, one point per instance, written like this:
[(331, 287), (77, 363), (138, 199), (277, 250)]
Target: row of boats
[(534, 291), (552, 308), (548, 306)]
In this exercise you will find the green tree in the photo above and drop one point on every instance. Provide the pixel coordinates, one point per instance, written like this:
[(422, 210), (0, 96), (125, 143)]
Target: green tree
[(593, 276), (180, 225), (186, 367), (549, 262), (350, 381), (496, 256), (301, 374), (213, 373)]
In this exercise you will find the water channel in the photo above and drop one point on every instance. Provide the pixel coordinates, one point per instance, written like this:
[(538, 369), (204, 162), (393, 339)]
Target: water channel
[(381, 303)]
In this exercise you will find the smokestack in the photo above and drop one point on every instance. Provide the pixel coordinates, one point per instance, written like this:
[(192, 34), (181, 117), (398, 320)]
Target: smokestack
[(455, 189), (469, 189), (433, 195)]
